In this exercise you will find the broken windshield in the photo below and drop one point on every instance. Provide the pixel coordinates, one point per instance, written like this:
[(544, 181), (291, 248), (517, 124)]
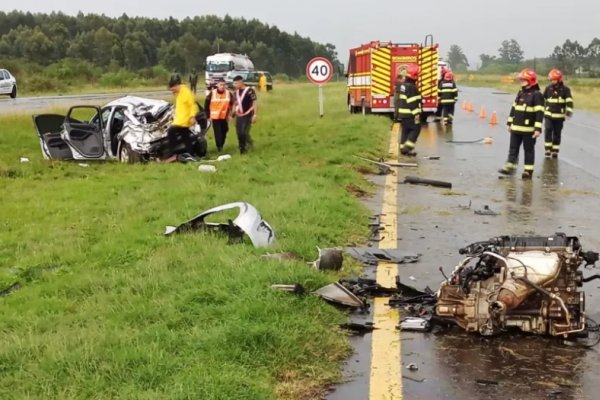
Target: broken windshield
[(218, 66)]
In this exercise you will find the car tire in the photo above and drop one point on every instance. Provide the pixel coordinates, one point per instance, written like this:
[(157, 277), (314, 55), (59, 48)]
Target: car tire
[(13, 93), (127, 155)]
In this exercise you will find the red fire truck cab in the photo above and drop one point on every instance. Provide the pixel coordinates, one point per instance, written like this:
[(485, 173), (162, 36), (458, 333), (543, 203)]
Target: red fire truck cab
[(373, 69)]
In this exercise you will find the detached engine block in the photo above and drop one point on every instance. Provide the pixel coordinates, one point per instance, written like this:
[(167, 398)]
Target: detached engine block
[(530, 283)]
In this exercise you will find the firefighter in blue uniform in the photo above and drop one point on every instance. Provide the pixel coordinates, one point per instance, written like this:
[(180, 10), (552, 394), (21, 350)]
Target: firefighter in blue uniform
[(448, 95), (525, 124), (559, 106)]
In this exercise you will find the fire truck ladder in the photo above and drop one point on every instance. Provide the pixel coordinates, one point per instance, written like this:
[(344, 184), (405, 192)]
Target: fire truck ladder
[(428, 62)]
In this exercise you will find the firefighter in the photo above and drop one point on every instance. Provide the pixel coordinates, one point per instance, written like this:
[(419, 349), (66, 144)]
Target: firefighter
[(219, 102), (525, 124), (438, 113), (559, 106), (448, 95), (408, 112)]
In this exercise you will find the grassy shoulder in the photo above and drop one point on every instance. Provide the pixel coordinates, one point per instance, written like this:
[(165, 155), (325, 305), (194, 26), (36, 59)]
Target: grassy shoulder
[(110, 308), (585, 91)]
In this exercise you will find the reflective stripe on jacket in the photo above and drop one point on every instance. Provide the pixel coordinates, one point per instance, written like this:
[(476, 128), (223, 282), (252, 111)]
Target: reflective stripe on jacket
[(219, 104), (408, 101), (559, 101), (448, 92), (527, 112)]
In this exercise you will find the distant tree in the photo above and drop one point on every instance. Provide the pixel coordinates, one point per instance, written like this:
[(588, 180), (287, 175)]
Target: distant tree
[(486, 60), (457, 58), (104, 40), (511, 52), (569, 56), (593, 54), (172, 56)]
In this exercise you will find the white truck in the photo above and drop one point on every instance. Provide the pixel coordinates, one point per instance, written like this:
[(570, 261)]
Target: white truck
[(224, 65)]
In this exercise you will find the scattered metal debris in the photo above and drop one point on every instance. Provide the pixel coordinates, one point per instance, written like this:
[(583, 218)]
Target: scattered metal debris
[(485, 140), (408, 378), (338, 294), (372, 256), (295, 288), (415, 324), (486, 211), (386, 167), (467, 207), (329, 260), (248, 222), (83, 165), (431, 157), (412, 367), (367, 287), (24, 160), (359, 329), (415, 180)]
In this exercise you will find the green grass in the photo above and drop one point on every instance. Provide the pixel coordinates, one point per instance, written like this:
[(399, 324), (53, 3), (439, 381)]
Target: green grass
[(585, 91), (110, 308)]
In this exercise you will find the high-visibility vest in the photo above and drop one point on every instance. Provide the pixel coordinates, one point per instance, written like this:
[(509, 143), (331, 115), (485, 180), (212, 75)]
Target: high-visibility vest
[(219, 104)]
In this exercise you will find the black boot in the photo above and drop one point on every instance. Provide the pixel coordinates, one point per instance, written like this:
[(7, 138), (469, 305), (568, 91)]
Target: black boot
[(527, 175)]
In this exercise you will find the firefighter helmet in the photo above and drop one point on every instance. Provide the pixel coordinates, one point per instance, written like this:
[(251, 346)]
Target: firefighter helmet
[(555, 75), (529, 76), (413, 71), (448, 76)]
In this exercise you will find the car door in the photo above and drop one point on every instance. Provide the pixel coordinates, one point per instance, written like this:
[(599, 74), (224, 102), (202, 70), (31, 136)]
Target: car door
[(84, 133), (3, 82), (49, 128)]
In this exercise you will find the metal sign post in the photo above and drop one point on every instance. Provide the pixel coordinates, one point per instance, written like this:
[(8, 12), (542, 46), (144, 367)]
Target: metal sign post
[(321, 112), (319, 70)]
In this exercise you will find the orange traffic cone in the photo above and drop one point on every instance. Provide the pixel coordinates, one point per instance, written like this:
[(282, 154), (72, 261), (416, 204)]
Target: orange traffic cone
[(482, 113), (471, 107), (494, 119), (465, 106)]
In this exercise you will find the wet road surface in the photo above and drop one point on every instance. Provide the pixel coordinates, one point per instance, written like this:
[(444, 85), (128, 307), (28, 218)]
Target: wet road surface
[(562, 197), (36, 104)]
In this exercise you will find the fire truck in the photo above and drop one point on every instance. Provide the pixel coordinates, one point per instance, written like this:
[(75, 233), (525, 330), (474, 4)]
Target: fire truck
[(372, 72)]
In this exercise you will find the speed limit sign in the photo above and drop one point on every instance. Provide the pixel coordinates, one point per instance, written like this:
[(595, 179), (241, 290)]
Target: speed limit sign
[(319, 70)]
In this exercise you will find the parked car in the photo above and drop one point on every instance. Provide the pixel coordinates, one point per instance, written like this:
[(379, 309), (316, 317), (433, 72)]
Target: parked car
[(8, 83), (130, 129), (250, 78)]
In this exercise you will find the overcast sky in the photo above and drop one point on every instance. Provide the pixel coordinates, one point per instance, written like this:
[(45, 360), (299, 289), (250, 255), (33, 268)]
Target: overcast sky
[(477, 26)]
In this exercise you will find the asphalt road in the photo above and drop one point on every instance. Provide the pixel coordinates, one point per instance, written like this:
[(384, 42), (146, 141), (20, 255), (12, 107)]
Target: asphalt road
[(562, 197), (37, 104)]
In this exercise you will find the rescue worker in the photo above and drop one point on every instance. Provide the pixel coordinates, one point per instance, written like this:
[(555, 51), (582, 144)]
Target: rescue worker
[(559, 106), (525, 124), (262, 83), (438, 113), (408, 111), (184, 119), (219, 102), (245, 107), (194, 80), (448, 95)]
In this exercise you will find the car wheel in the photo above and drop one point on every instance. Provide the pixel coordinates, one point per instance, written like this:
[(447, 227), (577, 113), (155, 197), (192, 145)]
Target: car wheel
[(127, 155), (13, 93)]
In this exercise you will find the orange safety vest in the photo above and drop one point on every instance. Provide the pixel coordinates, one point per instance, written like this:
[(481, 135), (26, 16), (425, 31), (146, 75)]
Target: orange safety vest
[(219, 104)]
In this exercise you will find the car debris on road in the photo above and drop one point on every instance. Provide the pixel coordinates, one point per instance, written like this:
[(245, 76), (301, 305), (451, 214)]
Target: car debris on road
[(486, 211), (415, 180), (249, 222)]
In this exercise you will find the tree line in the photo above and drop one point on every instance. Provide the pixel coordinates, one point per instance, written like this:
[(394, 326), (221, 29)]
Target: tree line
[(137, 43), (571, 57)]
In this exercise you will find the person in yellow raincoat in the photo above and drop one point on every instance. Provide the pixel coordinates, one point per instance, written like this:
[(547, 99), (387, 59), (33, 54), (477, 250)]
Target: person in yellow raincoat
[(262, 83)]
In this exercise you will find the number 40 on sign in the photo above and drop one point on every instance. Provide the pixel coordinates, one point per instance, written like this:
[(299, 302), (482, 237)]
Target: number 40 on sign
[(319, 70)]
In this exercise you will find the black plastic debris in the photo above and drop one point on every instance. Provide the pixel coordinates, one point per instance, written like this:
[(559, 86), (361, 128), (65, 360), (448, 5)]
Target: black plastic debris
[(295, 288), (416, 180), (486, 210), (372, 256), (359, 329), (329, 260), (367, 287)]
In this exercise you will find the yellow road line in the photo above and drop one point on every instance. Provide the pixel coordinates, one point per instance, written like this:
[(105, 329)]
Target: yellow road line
[(386, 373)]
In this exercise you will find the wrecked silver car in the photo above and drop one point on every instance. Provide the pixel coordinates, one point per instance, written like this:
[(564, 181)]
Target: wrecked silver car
[(130, 129), (528, 283), (248, 222)]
